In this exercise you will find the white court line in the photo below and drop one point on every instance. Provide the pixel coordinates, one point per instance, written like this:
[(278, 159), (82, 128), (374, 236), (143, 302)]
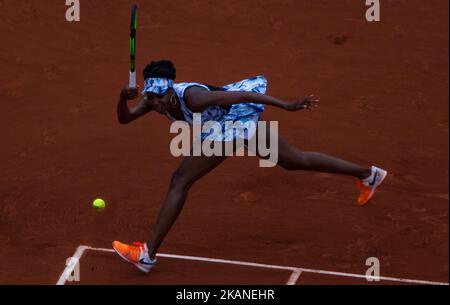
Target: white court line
[(294, 277), (70, 267), (296, 272)]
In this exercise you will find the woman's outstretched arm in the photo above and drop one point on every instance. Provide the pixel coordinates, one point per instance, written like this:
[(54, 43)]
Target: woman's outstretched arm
[(198, 99), (126, 115)]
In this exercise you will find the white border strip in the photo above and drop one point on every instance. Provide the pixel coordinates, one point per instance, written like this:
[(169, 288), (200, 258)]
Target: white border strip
[(294, 277), (296, 272)]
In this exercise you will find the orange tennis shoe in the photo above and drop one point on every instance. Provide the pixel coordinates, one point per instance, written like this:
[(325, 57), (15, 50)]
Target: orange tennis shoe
[(369, 186), (136, 254)]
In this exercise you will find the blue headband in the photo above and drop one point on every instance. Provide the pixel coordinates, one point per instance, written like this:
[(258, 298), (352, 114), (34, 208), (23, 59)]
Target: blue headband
[(157, 85)]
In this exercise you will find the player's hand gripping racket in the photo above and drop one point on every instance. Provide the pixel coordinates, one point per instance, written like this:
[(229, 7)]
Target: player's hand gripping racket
[(132, 83)]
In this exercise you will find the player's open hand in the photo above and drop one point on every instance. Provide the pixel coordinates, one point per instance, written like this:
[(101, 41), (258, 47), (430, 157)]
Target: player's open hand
[(129, 93), (310, 102)]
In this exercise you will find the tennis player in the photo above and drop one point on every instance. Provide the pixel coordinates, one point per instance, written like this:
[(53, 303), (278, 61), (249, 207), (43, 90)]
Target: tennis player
[(243, 101)]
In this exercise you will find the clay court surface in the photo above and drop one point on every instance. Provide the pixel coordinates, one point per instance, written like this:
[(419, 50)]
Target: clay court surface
[(384, 100)]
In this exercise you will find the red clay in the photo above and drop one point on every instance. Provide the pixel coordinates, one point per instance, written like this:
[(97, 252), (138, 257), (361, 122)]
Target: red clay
[(384, 100)]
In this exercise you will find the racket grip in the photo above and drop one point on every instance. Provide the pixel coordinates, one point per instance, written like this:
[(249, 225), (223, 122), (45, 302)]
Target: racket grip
[(132, 83)]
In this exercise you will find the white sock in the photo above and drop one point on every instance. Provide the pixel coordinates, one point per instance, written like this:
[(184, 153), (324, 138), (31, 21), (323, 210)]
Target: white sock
[(147, 257), (371, 177)]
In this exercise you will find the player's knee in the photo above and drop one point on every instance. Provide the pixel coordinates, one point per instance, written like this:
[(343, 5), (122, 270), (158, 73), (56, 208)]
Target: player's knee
[(288, 165), (294, 162), (179, 181)]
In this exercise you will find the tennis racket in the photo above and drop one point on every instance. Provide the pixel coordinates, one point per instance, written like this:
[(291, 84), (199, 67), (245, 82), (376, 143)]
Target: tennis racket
[(132, 83)]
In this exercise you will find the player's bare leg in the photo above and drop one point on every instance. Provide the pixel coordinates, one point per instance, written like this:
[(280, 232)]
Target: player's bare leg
[(293, 159), (190, 170), (143, 255)]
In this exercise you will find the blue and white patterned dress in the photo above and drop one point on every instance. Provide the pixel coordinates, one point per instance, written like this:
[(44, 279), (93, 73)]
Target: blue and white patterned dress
[(242, 114)]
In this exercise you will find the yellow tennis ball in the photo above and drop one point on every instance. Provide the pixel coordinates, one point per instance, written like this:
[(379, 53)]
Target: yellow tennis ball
[(99, 204)]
